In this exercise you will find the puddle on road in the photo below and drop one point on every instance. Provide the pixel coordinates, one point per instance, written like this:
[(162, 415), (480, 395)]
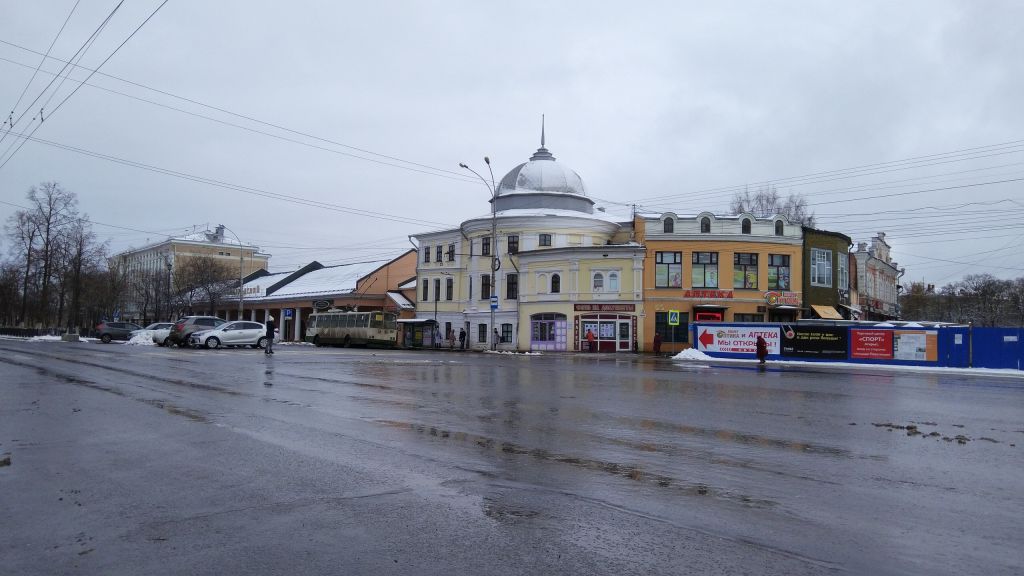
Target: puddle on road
[(628, 471)]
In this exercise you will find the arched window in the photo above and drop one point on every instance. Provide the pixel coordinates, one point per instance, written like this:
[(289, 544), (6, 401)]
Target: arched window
[(542, 283), (598, 282), (778, 228), (670, 226), (556, 283), (745, 226), (705, 225), (613, 282)]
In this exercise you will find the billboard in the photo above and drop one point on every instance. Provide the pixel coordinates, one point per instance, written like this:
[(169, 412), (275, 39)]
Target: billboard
[(871, 344), (736, 339), (814, 341), (916, 345)]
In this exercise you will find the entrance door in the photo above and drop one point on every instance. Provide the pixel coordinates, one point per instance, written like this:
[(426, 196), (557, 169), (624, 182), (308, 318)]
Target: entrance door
[(625, 337)]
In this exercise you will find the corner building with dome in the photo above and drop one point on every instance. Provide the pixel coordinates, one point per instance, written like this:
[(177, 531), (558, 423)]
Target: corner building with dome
[(565, 267)]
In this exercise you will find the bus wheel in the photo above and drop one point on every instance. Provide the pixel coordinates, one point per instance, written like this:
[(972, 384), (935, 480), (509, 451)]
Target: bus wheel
[(316, 341), (345, 343)]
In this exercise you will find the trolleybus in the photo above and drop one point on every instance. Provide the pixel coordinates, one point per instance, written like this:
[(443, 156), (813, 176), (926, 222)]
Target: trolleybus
[(345, 328)]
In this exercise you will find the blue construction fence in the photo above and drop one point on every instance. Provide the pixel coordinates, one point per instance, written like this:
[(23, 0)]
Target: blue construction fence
[(949, 346)]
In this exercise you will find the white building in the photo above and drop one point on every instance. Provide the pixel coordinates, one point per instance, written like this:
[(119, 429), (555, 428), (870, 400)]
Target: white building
[(877, 280)]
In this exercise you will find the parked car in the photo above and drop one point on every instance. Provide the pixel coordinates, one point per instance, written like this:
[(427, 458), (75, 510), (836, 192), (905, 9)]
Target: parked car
[(238, 333), (184, 327), (115, 330), (153, 330)]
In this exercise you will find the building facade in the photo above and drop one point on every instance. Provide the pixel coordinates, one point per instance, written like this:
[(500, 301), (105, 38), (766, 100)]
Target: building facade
[(826, 280), (562, 267), (148, 272), (712, 268), (878, 280)]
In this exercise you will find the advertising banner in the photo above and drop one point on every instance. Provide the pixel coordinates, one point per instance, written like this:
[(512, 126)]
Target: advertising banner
[(737, 339), (871, 344), (917, 345), (814, 341)]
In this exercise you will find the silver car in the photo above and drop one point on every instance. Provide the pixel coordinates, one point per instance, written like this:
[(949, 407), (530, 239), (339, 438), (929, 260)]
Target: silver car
[(238, 333)]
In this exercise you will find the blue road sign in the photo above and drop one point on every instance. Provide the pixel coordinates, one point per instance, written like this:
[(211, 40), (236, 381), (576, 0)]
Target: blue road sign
[(494, 302)]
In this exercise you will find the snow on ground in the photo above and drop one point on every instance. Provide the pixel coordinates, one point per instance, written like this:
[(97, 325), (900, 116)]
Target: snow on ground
[(144, 338), (513, 352), (44, 339), (690, 355)]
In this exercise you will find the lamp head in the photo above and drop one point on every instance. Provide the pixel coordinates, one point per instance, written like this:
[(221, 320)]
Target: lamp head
[(461, 165), (487, 160)]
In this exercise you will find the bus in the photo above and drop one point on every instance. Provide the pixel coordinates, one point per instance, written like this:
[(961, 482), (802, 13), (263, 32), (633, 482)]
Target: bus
[(339, 327)]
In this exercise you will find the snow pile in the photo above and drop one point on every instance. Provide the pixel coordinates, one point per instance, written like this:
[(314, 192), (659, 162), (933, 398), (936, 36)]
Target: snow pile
[(44, 339), (692, 354), (512, 352), (291, 343), (144, 338)]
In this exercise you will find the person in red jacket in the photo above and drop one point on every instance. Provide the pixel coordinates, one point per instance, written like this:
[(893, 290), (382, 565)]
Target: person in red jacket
[(762, 349)]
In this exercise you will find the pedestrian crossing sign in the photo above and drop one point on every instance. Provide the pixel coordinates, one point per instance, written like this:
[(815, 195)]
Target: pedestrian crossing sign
[(673, 317)]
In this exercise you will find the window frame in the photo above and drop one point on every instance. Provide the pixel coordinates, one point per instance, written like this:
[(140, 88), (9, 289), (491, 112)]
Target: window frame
[(449, 288), (544, 240), (506, 333), (511, 286), (439, 251), (450, 253), (672, 334), (772, 266), (742, 262), (745, 226), (512, 243), (437, 289), (426, 254), (704, 267), (556, 283), (705, 225), (485, 246), (665, 280), (596, 282), (668, 226), (485, 286), (426, 290), (780, 228), (821, 266)]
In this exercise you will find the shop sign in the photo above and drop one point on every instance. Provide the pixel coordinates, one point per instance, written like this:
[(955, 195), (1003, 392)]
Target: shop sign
[(323, 304), (773, 298), (871, 344), (737, 339), (707, 293), (814, 341), (604, 307)]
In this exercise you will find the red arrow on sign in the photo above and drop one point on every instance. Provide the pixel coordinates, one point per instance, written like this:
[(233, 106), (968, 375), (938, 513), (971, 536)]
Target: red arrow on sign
[(706, 338)]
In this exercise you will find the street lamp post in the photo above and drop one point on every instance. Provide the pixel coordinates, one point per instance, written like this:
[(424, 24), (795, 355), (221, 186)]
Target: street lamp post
[(241, 263), (494, 238)]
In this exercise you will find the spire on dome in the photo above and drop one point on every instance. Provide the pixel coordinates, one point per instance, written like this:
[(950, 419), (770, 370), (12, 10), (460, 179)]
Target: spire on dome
[(542, 152)]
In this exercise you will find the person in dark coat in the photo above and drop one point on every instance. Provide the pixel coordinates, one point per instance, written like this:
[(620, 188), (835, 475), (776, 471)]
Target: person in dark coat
[(270, 336), (657, 342), (762, 349), (462, 338)]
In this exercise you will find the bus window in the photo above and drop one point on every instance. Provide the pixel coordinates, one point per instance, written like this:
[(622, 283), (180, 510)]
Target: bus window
[(364, 320)]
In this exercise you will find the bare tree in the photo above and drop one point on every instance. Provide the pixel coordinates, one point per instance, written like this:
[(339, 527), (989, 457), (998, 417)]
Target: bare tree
[(205, 277), (765, 202)]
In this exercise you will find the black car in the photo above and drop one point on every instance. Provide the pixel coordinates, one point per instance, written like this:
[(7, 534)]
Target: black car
[(184, 327), (115, 330)]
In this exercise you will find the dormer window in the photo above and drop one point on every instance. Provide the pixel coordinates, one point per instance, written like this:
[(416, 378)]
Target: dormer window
[(745, 226), (705, 225), (779, 228), (669, 226)]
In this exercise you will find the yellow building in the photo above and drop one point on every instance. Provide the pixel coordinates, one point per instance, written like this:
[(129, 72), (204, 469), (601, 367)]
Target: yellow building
[(562, 267), (148, 272), (712, 268)]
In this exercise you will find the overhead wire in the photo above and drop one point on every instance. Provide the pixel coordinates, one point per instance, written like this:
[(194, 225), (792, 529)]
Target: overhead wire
[(38, 66)]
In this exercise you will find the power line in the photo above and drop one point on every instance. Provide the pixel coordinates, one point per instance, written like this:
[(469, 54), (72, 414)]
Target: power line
[(40, 65), (453, 174), (238, 187)]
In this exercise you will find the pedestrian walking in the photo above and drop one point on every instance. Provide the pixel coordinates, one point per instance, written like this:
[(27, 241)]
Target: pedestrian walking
[(657, 342), (462, 338), (762, 349), (497, 339), (271, 329), (590, 341), (451, 339)]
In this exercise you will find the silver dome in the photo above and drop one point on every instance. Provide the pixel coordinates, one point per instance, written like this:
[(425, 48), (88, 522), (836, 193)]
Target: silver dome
[(542, 174)]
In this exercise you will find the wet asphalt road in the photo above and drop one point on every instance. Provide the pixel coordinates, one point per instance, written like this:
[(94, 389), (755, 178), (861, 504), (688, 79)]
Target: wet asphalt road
[(142, 460)]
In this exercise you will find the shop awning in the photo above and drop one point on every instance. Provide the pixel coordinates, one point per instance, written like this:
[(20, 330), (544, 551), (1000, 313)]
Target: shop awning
[(852, 308), (783, 307), (826, 312)]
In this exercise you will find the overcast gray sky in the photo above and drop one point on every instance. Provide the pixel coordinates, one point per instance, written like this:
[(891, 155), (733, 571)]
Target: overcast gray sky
[(671, 105)]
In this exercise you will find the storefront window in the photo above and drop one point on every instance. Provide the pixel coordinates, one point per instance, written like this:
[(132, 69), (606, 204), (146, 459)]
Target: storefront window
[(705, 270)]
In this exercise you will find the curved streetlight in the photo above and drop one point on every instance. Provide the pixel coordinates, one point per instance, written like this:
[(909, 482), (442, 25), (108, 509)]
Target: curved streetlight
[(494, 238), (241, 262)]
